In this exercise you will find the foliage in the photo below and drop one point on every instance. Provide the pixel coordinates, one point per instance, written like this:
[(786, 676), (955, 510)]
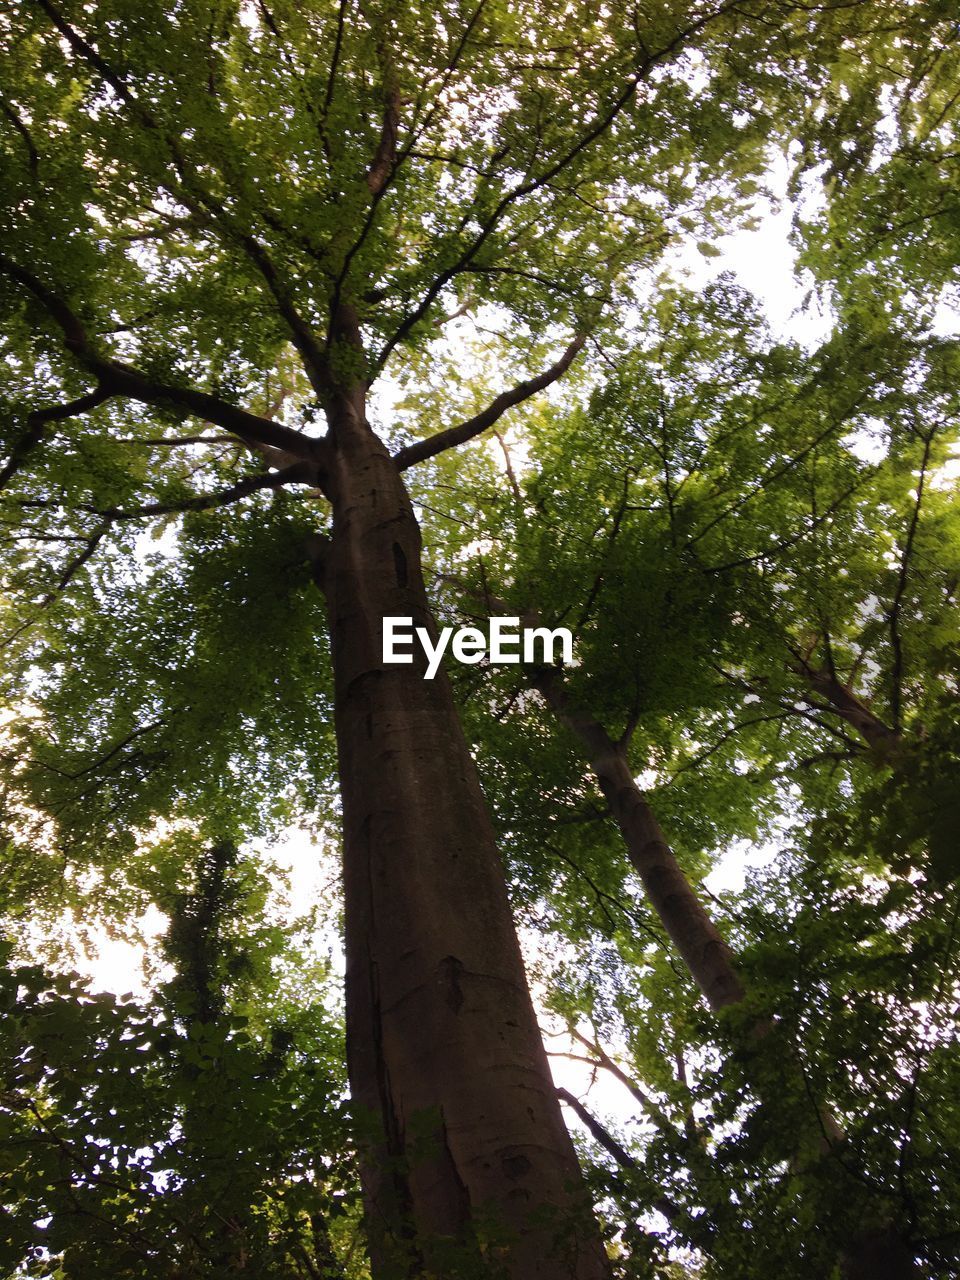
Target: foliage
[(190, 1133), (757, 545)]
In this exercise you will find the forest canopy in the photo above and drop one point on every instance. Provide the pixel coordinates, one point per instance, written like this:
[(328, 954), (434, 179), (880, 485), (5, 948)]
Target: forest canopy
[(319, 314)]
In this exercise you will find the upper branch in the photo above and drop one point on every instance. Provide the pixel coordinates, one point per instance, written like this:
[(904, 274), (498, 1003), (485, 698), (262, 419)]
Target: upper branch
[(200, 201), (24, 132), (893, 614), (443, 440), (694, 1229), (385, 156), (301, 333), (600, 126), (382, 177), (603, 1059)]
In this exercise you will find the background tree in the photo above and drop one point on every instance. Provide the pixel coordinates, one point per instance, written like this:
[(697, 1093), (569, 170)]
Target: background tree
[(189, 1135), (725, 561)]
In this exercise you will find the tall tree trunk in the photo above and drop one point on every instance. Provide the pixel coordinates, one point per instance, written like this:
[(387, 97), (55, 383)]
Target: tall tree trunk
[(872, 1253), (445, 1058), (682, 914)]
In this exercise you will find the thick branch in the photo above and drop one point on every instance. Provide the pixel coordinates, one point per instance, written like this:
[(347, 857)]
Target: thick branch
[(299, 472), (120, 379), (453, 436), (302, 336), (867, 723), (249, 427)]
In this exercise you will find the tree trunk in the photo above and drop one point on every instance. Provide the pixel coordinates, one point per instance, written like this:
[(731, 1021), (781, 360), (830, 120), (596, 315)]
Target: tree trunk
[(880, 1254), (872, 1255), (668, 890), (468, 1167)]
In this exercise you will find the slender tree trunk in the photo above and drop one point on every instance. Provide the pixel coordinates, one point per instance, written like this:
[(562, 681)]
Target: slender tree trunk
[(670, 893), (878, 1254), (447, 1066)]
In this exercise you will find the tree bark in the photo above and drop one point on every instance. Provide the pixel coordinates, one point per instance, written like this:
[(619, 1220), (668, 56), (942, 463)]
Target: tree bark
[(668, 890), (465, 1141), (877, 734)]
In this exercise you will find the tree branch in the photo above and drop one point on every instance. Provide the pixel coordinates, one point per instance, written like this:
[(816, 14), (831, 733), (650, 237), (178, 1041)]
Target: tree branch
[(775, 472), (300, 471), (332, 74), (841, 697), (429, 448), (36, 424), (120, 379), (110, 515), (601, 125), (618, 517), (893, 616), (678, 1218), (24, 133), (66, 577), (172, 442), (606, 1140), (603, 1059), (378, 193), (302, 336), (805, 530), (301, 333), (384, 159)]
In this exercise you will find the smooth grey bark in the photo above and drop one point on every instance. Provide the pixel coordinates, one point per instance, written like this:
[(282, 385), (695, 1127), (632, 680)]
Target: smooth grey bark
[(446, 1062), (698, 940)]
